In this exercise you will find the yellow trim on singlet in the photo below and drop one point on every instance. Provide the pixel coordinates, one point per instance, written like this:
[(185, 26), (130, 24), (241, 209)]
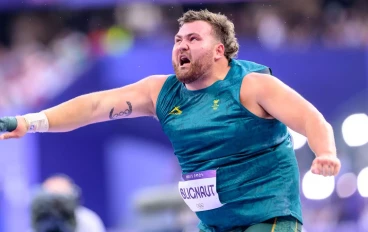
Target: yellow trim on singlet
[(274, 225), (296, 225)]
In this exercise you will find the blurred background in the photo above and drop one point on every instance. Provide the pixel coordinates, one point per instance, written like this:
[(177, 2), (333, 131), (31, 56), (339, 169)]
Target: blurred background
[(54, 50)]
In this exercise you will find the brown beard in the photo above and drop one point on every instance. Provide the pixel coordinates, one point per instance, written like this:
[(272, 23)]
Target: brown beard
[(196, 71)]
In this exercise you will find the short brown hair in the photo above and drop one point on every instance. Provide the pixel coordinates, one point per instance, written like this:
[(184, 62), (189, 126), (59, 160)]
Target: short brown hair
[(222, 26)]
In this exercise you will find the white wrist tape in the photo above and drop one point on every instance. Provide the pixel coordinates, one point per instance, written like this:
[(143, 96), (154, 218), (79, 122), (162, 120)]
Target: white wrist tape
[(37, 122)]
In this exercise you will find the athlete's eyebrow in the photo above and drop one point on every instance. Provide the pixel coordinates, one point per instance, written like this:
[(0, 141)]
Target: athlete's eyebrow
[(188, 35)]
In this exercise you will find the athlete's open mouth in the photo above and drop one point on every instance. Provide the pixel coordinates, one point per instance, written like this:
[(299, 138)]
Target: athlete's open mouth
[(184, 60)]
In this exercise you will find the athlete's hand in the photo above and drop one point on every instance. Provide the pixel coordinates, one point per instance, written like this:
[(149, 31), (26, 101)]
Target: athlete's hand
[(326, 165), (19, 132)]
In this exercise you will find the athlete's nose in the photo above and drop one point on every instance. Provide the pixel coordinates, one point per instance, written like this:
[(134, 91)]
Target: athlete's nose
[(183, 46)]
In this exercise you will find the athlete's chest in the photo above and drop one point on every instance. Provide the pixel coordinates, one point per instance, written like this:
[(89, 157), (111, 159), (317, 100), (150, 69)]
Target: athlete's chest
[(202, 116)]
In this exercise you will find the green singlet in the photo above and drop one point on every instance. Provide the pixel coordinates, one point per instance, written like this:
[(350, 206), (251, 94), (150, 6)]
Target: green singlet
[(257, 171)]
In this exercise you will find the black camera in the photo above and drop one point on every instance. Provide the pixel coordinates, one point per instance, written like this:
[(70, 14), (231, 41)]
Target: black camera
[(53, 212)]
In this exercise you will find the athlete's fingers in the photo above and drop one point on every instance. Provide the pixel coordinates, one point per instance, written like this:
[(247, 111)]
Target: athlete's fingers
[(10, 135)]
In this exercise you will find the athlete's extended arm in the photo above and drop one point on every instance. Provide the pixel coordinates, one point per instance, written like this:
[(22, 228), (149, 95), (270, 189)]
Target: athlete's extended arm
[(286, 105), (130, 101), (125, 102)]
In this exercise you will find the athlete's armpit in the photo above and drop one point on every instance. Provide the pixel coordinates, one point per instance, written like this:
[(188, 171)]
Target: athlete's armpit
[(121, 114)]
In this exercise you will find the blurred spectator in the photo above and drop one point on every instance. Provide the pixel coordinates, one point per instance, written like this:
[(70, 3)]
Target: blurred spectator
[(62, 185)]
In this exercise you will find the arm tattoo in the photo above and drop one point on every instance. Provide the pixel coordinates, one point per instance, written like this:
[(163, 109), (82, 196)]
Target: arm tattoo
[(123, 113)]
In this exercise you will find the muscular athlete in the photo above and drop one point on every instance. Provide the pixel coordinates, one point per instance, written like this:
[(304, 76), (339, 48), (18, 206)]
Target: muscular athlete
[(227, 120)]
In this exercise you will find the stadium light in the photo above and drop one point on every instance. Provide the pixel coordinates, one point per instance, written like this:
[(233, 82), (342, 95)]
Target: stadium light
[(362, 182), (346, 185), (317, 187), (355, 130)]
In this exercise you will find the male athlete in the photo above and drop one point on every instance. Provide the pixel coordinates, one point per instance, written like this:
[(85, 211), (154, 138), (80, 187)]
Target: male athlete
[(227, 121)]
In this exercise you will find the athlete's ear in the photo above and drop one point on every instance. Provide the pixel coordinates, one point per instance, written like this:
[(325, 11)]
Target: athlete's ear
[(219, 51)]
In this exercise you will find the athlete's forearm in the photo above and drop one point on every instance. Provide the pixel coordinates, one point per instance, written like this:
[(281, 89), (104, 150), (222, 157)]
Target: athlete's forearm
[(72, 114), (320, 135)]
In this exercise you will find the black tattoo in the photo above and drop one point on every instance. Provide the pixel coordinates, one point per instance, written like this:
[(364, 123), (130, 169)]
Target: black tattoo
[(121, 114)]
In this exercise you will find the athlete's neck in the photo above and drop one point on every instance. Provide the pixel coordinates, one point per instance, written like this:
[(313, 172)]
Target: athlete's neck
[(218, 73)]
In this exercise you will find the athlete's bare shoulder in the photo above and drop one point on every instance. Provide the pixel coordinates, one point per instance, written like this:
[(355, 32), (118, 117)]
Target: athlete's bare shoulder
[(155, 83), (248, 94)]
